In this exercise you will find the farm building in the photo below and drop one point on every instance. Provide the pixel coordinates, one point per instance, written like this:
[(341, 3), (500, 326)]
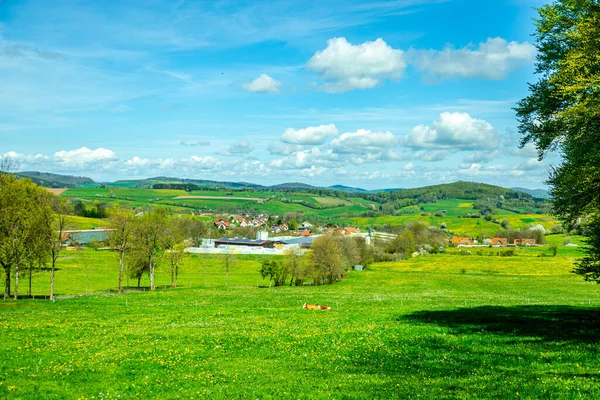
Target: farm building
[(304, 242), (243, 242)]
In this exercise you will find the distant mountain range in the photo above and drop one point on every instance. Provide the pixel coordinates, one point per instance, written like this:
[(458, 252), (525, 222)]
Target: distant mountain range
[(67, 181)]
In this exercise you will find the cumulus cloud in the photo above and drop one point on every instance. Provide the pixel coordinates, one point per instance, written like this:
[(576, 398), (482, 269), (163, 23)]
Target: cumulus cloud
[(26, 158), (345, 66), (366, 146), (306, 159), (458, 131), (200, 163), (363, 140), (312, 135), (263, 84), (137, 162), (83, 156), (242, 147), (492, 59), (431, 155)]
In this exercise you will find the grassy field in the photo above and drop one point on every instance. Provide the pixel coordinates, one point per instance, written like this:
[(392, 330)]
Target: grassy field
[(440, 326)]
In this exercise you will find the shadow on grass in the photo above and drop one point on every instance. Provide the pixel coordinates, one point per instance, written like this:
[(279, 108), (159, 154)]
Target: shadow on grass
[(549, 323)]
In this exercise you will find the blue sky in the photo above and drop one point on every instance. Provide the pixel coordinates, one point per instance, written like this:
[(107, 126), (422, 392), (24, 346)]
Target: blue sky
[(381, 93)]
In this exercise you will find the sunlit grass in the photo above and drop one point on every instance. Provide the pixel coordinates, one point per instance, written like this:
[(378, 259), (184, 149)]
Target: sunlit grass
[(437, 326)]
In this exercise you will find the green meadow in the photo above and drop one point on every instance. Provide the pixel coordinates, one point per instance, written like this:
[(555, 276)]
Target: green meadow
[(437, 326)]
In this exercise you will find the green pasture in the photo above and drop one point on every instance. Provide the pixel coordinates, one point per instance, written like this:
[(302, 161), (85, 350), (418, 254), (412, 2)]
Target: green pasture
[(75, 222), (233, 193), (441, 326), (453, 207)]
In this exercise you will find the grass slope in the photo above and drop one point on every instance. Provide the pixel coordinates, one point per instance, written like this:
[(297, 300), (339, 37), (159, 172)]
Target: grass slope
[(504, 328)]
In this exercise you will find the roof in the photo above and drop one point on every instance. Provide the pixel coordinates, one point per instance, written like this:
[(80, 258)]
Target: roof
[(301, 241), (241, 241)]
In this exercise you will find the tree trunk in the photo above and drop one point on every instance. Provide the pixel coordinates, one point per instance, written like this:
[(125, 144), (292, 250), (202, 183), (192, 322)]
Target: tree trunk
[(121, 262), (172, 275), (30, 274), (16, 281), (139, 282), (52, 280), (7, 284), (151, 275)]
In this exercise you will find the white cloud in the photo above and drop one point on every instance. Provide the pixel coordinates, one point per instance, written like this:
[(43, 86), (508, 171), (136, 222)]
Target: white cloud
[(409, 166), (201, 163), (242, 147), (458, 131), (492, 59), (137, 162), (263, 84), (345, 66), (312, 135), (364, 141), (306, 159), (79, 158), (431, 156), (26, 158)]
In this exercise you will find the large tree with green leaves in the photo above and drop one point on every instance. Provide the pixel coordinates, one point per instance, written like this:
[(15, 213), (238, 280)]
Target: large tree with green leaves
[(562, 112), (121, 221)]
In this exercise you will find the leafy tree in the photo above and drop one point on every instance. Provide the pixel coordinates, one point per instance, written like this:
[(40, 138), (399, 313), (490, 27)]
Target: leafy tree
[(328, 259), (403, 244), (295, 262), (147, 243), (561, 113), (121, 221), (276, 271), (54, 216), (173, 244), (19, 233)]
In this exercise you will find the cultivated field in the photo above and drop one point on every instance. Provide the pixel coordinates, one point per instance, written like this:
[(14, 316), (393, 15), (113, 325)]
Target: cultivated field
[(439, 326)]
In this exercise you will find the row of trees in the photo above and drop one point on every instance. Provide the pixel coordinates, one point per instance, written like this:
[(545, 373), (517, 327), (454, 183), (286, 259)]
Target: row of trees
[(330, 257), (32, 222), (146, 239)]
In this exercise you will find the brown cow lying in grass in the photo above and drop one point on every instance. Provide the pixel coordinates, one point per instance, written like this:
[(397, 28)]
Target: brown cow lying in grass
[(315, 307)]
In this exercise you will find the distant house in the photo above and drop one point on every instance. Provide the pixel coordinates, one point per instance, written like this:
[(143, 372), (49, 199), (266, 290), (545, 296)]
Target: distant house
[(306, 224), (241, 221), (498, 241), (222, 223), (462, 240), (279, 228), (304, 231), (524, 242), (350, 230)]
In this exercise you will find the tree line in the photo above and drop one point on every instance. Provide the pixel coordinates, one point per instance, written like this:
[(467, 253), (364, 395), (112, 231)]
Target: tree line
[(32, 223), (329, 259)]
